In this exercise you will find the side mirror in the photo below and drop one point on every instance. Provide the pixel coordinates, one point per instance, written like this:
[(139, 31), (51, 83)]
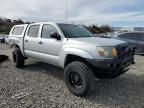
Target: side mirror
[(55, 35)]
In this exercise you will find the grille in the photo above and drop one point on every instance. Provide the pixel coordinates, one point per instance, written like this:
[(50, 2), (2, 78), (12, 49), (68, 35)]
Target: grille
[(122, 48), (125, 50)]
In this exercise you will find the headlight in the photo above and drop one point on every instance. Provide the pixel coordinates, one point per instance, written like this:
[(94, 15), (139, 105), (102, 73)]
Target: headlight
[(108, 52)]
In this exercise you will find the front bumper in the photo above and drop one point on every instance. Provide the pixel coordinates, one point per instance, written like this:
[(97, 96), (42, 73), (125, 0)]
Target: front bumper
[(110, 68)]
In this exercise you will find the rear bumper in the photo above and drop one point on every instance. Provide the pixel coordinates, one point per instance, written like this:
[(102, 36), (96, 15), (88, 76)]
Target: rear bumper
[(110, 68)]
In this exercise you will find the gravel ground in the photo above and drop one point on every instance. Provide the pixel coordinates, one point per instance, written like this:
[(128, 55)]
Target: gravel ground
[(40, 85)]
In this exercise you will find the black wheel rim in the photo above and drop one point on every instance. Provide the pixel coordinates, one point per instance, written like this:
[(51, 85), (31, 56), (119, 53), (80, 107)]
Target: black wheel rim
[(76, 80)]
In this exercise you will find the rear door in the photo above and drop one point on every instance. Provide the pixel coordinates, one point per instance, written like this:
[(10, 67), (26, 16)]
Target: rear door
[(31, 41)]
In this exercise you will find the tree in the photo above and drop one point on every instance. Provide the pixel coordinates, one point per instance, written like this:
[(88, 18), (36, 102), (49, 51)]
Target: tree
[(106, 28), (8, 20), (7, 24), (19, 21)]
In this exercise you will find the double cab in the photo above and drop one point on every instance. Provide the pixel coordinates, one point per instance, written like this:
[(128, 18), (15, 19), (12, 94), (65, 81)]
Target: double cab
[(83, 56)]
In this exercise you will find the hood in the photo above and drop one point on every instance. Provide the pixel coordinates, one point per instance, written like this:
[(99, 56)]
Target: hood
[(97, 41)]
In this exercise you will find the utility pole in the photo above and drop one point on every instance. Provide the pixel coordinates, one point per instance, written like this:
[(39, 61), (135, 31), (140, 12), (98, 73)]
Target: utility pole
[(66, 10)]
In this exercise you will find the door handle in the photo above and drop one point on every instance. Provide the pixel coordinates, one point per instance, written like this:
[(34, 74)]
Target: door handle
[(26, 40), (40, 42)]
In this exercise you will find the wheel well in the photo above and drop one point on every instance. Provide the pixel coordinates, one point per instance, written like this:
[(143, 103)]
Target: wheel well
[(16, 46), (70, 58)]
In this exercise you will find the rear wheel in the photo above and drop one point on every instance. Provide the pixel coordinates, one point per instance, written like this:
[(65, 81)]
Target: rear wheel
[(18, 58), (79, 78)]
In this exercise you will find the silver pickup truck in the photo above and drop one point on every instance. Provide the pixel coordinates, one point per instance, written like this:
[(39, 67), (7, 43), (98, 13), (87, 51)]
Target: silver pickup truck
[(72, 47)]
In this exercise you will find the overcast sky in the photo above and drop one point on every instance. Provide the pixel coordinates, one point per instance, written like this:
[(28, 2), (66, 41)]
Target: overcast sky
[(112, 12)]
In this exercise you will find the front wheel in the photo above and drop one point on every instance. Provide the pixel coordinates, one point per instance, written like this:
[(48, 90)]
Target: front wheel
[(79, 78), (18, 58)]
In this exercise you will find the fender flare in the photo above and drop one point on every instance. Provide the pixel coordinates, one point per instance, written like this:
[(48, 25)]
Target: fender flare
[(14, 42), (73, 51)]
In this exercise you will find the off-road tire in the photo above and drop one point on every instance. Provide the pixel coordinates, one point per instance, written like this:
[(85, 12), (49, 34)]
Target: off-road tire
[(86, 75), (18, 58)]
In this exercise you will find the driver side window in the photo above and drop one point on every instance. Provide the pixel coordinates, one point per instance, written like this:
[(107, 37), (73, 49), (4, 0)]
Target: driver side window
[(47, 30)]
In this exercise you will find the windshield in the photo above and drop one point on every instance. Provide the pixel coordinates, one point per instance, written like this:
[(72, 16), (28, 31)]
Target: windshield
[(74, 31)]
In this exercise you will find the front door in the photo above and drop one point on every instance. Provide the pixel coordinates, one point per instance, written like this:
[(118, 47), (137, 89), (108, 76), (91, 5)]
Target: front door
[(49, 47)]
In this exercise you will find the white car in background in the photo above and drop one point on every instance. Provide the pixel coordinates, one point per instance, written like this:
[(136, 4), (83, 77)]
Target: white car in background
[(4, 38)]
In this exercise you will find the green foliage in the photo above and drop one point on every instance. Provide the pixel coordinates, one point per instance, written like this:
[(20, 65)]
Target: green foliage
[(102, 29), (7, 24)]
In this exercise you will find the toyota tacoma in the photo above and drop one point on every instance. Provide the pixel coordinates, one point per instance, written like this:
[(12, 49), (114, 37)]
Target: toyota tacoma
[(83, 57)]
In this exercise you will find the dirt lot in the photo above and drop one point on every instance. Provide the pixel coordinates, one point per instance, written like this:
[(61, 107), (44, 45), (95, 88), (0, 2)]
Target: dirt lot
[(40, 85)]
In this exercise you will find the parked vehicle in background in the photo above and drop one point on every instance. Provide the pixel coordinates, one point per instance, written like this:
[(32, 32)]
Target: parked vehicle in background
[(2, 39), (134, 38), (6, 39), (83, 57), (106, 35), (96, 35)]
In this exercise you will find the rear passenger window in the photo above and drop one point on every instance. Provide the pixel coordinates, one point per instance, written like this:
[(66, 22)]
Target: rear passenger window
[(33, 31), (17, 30), (47, 30)]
